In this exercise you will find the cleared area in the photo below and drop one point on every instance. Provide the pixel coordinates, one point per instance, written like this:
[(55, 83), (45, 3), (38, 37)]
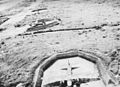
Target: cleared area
[(81, 69)]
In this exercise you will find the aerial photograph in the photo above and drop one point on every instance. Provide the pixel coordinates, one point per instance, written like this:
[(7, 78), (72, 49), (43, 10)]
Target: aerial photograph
[(59, 43)]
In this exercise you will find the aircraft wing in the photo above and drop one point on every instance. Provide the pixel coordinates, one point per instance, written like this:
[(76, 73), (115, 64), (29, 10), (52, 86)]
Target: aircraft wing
[(71, 68)]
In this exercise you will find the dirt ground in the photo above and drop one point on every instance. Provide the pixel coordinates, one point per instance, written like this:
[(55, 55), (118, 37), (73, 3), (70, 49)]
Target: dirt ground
[(91, 25)]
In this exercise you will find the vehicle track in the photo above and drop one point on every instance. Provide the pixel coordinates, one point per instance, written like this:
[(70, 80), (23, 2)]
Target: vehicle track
[(70, 29)]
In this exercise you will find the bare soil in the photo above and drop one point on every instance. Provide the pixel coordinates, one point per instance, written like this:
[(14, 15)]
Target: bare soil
[(98, 30)]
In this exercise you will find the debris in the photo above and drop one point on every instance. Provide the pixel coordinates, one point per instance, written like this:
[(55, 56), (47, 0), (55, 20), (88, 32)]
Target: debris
[(43, 24), (3, 19), (2, 29), (20, 85), (39, 9)]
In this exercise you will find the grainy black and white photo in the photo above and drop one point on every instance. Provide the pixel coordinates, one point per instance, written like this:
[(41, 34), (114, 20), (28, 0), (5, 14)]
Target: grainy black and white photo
[(59, 43)]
